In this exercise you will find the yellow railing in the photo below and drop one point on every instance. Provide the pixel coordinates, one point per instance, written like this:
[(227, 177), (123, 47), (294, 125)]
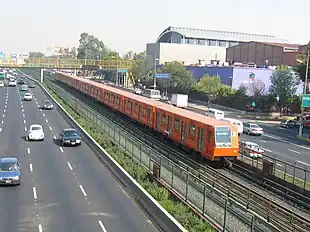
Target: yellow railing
[(68, 63)]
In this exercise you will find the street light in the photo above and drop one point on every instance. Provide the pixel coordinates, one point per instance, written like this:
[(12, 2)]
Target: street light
[(155, 67), (304, 92)]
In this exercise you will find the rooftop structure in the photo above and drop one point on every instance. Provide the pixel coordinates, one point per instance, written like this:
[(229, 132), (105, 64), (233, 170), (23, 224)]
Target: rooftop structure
[(185, 35)]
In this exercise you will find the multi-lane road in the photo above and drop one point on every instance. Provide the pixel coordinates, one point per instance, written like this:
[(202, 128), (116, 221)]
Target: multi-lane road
[(62, 188)]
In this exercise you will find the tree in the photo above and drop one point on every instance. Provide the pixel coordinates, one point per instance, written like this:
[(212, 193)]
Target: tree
[(209, 86), (36, 55), (91, 48), (257, 89), (301, 65), (181, 80), (283, 84)]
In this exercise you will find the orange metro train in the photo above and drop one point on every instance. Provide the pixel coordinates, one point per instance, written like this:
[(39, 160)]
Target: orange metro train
[(212, 139)]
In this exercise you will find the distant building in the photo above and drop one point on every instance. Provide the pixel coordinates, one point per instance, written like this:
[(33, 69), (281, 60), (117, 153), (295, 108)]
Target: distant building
[(198, 46), (263, 53), (56, 51)]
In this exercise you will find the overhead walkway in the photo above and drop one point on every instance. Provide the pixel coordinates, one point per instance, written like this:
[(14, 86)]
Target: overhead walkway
[(60, 63)]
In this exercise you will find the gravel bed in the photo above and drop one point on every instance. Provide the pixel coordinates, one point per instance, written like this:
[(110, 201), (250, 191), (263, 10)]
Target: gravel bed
[(268, 194)]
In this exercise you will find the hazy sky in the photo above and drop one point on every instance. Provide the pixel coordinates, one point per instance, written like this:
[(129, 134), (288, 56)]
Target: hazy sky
[(123, 25)]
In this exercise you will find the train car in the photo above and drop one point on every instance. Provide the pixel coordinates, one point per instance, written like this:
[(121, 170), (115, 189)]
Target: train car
[(213, 139)]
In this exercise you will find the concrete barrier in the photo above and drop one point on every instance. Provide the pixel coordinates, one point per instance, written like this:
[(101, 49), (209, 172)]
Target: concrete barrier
[(159, 216)]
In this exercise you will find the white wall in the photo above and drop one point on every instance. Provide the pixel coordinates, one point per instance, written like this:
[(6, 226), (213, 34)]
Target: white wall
[(187, 53)]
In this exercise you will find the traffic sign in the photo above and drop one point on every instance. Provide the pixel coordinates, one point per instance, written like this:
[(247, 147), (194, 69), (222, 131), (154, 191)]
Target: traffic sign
[(162, 75), (305, 100), (253, 104)]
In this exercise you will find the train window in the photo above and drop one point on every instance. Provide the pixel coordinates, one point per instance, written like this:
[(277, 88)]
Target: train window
[(144, 112), (112, 98), (136, 107), (176, 124), (210, 136), (116, 100), (192, 130), (163, 119), (129, 105), (140, 111)]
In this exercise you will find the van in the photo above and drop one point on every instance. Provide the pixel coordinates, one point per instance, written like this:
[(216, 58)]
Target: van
[(236, 122), (214, 113)]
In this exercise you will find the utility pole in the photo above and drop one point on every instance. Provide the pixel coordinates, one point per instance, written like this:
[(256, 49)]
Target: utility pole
[(304, 92), (155, 67)]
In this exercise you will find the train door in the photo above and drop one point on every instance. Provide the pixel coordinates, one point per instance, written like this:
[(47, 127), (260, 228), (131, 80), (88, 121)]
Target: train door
[(200, 145), (149, 116), (169, 125), (157, 123), (183, 132)]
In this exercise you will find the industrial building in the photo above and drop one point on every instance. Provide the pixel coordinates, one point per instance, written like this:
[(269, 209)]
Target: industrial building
[(198, 46), (263, 53)]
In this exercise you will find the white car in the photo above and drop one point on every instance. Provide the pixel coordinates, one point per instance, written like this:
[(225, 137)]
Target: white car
[(35, 132), (251, 149), (1, 84), (12, 82), (27, 97), (252, 129)]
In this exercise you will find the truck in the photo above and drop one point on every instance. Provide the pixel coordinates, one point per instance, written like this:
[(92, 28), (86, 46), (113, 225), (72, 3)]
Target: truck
[(179, 100)]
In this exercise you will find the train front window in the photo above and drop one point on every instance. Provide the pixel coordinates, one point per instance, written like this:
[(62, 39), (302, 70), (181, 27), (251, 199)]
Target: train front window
[(223, 135)]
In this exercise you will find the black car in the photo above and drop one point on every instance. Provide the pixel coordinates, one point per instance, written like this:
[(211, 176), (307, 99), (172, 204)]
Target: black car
[(70, 136), (21, 82), (48, 105)]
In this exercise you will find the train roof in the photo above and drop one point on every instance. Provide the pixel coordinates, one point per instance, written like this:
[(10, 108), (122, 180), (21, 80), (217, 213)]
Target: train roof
[(163, 106)]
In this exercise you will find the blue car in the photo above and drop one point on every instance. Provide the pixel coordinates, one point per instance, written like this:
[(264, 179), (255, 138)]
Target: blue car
[(9, 171), (70, 136)]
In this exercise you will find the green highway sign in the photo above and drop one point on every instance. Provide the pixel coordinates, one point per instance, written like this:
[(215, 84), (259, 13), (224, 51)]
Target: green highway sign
[(253, 104), (305, 100)]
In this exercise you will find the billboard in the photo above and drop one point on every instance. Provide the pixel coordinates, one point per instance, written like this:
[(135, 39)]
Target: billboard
[(247, 76)]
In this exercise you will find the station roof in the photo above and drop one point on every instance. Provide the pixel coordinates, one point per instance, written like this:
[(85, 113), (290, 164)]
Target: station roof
[(219, 35)]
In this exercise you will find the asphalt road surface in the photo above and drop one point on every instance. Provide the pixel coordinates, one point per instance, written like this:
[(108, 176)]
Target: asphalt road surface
[(62, 188)]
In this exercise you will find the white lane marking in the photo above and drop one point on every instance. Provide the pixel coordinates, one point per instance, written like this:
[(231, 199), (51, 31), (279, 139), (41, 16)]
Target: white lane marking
[(28, 150), (55, 137), (303, 163), (46, 120), (37, 102), (4, 111), (22, 106), (30, 168), (102, 226), (43, 115), (5, 106), (25, 128), (35, 196), (83, 191), (3, 115), (69, 165), (288, 142), (41, 110), (23, 115), (297, 152), (22, 110), (25, 121), (62, 150), (267, 149), (50, 128), (0, 129), (40, 228)]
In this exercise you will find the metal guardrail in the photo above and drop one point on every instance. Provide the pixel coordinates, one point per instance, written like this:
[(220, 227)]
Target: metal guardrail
[(208, 199), (284, 170), (61, 63)]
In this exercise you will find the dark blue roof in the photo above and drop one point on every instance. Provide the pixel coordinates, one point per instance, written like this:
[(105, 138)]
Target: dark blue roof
[(8, 160)]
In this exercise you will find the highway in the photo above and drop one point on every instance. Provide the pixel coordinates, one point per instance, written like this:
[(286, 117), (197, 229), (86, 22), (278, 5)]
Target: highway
[(62, 189)]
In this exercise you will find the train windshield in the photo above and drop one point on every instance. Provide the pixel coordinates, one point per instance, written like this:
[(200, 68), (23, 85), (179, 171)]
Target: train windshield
[(223, 136)]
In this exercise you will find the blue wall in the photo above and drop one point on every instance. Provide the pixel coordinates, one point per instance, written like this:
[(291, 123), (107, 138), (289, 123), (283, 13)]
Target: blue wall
[(225, 73)]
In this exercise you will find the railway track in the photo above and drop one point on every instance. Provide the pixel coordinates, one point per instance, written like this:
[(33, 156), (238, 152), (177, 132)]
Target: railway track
[(273, 212)]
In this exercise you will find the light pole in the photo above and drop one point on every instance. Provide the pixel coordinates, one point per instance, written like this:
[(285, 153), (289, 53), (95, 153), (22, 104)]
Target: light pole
[(155, 69), (304, 92)]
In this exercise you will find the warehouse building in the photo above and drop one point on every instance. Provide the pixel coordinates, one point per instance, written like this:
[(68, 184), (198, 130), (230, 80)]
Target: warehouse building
[(263, 53), (198, 46)]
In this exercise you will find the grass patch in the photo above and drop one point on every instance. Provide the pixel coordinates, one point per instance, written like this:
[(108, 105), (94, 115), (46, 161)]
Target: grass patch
[(175, 207)]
